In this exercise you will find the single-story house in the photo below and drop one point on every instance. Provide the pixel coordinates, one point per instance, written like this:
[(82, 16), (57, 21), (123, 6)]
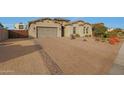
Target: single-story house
[(58, 27), (44, 28)]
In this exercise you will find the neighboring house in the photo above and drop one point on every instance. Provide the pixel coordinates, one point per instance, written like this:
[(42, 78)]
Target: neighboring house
[(58, 27), (20, 26), (110, 29)]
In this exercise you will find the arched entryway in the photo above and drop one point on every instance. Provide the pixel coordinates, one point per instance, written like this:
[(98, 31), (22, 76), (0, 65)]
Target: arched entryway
[(62, 31)]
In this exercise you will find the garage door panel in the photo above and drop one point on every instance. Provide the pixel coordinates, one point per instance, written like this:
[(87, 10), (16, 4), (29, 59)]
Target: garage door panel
[(47, 32)]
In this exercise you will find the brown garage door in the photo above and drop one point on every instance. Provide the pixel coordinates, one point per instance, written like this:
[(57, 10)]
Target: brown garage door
[(46, 32)]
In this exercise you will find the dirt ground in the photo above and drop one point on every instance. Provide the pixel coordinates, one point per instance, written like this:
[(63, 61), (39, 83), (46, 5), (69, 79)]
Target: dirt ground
[(21, 56), (80, 57)]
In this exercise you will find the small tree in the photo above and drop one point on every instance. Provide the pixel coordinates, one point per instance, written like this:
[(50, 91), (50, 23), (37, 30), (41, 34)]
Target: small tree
[(99, 29), (115, 32), (5, 28), (1, 26)]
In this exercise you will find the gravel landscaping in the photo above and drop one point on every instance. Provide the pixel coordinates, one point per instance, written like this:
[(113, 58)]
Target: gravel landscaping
[(80, 57)]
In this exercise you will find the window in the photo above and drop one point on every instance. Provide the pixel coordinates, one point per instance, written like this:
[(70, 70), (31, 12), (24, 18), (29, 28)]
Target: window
[(84, 30), (87, 30), (74, 30), (21, 27)]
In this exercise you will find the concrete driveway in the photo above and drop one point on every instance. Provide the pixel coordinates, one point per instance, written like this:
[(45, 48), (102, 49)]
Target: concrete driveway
[(21, 56), (118, 66)]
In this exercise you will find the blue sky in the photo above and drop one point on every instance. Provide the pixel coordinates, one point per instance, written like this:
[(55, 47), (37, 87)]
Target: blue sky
[(114, 22)]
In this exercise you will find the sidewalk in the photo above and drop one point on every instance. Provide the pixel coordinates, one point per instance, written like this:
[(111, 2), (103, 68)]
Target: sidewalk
[(118, 66)]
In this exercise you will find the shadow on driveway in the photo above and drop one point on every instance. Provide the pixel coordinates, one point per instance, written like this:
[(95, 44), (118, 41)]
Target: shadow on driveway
[(14, 51)]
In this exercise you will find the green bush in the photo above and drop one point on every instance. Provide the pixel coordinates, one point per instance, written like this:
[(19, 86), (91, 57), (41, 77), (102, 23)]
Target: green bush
[(103, 39)]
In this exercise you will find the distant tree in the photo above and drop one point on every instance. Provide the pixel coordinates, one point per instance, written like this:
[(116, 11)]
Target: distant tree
[(5, 28), (118, 29), (1, 25), (115, 32)]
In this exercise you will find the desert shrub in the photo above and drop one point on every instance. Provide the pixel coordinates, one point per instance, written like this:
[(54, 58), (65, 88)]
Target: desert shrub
[(73, 36), (86, 35), (116, 32), (112, 33), (104, 35), (97, 39), (121, 35), (89, 35), (103, 39), (77, 35), (84, 39)]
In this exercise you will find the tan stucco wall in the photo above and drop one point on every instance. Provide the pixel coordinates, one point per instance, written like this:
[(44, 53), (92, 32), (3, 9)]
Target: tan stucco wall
[(79, 30), (46, 23), (64, 23), (32, 31), (68, 30), (82, 30)]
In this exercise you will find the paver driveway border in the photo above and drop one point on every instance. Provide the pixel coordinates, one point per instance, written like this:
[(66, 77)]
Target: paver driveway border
[(48, 61)]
